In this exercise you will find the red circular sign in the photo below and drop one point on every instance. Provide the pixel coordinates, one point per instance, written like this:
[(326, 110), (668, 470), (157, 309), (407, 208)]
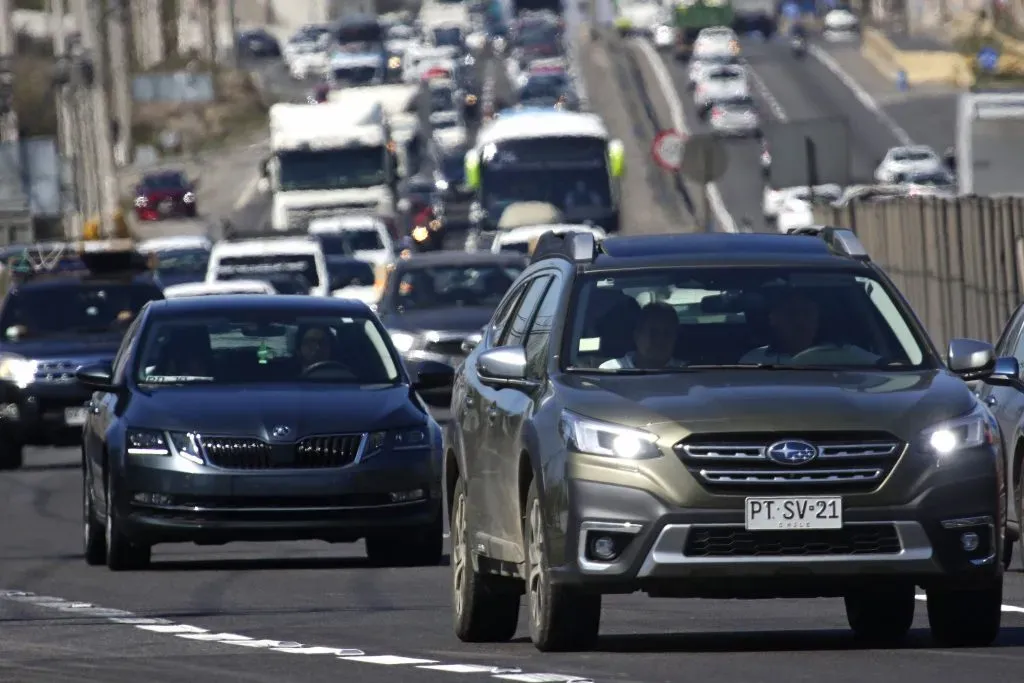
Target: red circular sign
[(667, 149)]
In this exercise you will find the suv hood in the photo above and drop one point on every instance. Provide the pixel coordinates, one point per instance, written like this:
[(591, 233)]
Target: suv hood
[(773, 400), (254, 411)]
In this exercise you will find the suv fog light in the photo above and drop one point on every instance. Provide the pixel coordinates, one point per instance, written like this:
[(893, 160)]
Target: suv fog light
[(604, 548), (153, 499), (969, 541), (407, 496)]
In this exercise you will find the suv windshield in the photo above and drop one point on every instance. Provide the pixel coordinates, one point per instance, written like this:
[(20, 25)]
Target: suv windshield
[(77, 308), (266, 347), (447, 286), (745, 317), (183, 262)]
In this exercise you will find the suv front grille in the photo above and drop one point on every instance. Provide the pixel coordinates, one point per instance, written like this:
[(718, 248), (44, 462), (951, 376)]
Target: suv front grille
[(724, 541), (314, 452), (847, 462)]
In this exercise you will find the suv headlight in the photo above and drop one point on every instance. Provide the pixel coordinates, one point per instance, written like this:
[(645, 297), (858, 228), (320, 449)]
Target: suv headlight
[(403, 341), (17, 370), (968, 431), (604, 438)]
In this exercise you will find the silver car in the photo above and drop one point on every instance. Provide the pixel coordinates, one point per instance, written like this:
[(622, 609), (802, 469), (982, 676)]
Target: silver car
[(735, 118)]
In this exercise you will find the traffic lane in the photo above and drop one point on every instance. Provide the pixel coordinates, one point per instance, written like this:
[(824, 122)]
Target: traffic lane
[(327, 596), (806, 89), (928, 120), (742, 186)]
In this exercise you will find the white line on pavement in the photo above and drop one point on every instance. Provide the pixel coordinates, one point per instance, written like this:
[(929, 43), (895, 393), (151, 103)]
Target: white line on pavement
[(860, 93), (668, 90), (1006, 608), (196, 633), (247, 194), (762, 89)]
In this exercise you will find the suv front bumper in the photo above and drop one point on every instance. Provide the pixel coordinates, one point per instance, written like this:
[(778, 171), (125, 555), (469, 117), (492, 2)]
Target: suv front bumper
[(688, 552)]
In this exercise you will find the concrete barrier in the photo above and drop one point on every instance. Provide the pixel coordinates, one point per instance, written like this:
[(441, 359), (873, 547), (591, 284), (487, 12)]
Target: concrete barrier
[(919, 67)]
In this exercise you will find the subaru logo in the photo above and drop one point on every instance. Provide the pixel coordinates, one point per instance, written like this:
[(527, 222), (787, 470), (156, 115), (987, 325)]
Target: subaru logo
[(792, 452), (280, 432)]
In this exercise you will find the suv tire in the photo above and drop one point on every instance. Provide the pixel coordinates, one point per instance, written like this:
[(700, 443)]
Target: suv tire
[(94, 544), (12, 454), (561, 619), (122, 554), (965, 618), (423, 547), (485, 607), (881, 615)]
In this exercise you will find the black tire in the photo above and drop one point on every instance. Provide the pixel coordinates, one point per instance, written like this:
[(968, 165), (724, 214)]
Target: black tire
[(413, 548), (122, 554), (94, 542), (561, 619), (485, 608), (881, 616), (12, 454), (965, 618)]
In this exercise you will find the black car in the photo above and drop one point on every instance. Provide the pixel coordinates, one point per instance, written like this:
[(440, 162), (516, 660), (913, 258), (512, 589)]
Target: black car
[(258, 43), (453, 198), (432, 304), (260, 418), (60, 313)]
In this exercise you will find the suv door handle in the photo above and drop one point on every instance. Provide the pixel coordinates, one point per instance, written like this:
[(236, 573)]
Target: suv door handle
[(991, 401)]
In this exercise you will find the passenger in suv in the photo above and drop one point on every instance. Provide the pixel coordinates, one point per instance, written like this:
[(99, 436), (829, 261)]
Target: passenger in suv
[(849, 462)]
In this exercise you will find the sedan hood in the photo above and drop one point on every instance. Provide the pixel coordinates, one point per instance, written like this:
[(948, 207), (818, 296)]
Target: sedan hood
[(773, 400), (81, 349), (470, 319), (254, 411)]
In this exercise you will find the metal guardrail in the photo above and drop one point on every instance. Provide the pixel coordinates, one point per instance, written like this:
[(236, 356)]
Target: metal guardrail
[(959, 262)]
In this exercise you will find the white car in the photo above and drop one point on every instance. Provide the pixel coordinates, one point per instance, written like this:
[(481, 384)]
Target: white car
[(294, 265), (174, 243), (522, 239), (735, 118), (220, 287), (841, 25), (717, 40), (699, 67), (366, 237), (773, 200), (906, 161), (421, 59), (400, 39), (309, 61), (721, 83)]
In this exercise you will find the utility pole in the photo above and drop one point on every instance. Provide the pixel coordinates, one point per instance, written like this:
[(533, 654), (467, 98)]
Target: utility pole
[(90, 23), (71, 176), (148, 32), (120, 87), (233, 33), (8, 49)]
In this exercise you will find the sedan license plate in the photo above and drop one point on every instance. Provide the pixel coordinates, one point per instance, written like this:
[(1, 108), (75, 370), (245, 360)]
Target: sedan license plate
[(74, 417), (793, 512)]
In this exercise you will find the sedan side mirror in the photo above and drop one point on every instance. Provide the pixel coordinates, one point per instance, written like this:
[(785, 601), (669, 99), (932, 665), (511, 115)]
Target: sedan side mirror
[(96, 377), (971, 359), (433, 375), (504, 366)]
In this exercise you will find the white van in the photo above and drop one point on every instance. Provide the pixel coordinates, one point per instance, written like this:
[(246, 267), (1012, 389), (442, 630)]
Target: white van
[(293, 265)]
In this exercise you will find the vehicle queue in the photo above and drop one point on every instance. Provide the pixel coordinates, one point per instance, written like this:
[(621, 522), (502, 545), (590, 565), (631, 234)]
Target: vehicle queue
[(615, 421)]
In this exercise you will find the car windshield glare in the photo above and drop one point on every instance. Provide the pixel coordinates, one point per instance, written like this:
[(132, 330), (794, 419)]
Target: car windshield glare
[(747, 317), (275, 347)]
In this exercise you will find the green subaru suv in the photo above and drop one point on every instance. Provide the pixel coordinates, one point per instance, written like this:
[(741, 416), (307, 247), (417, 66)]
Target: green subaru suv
[(721, 416)]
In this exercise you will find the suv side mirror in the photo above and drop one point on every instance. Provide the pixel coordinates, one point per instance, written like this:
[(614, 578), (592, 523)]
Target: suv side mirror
[(971, 359), (1006, 373), (504, 366), (96, 377)]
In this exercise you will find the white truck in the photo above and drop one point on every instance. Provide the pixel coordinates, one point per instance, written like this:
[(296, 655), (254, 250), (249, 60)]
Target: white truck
[(400, 106), (329, 159)]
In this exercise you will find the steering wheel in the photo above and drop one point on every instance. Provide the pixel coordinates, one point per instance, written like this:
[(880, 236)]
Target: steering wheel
[(817, 348), (320, 365)]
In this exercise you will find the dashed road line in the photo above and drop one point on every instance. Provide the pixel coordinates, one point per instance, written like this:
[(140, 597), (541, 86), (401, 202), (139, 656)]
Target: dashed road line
[(1005, 608), (199, 634), (762, 89)]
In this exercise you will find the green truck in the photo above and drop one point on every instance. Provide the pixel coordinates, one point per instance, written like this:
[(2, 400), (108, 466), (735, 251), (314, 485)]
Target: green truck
[(744, 16)]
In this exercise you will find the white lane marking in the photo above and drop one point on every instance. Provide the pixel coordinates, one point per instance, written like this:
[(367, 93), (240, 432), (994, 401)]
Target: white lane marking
[(199, 634), (247, 194), (861, 94), (668, 91), (762, 89), (1005, 608)]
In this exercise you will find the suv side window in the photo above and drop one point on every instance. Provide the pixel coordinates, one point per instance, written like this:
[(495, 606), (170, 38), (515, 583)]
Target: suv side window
[(516, 331), (504, 313), (540, 331)]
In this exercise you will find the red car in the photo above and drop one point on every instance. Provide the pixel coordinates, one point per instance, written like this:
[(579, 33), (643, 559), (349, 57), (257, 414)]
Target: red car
[(165, 194)]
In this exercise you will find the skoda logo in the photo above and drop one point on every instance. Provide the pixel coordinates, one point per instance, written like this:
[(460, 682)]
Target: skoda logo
[(792, 452), (280, 432)]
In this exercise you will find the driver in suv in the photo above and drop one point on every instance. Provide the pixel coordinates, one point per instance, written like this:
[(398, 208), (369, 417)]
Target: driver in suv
[(803, 439)]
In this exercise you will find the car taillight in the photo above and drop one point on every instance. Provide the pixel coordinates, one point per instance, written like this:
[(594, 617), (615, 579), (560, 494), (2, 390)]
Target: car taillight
[(716, 113)]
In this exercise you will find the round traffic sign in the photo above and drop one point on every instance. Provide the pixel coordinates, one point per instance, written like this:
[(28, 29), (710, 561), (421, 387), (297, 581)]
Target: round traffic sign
[(988, 58), (667, 149)]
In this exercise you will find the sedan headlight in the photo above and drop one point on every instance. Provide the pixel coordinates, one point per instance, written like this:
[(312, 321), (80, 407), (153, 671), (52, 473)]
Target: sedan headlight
[(971, 430), (604, 438), (403, 341), (156, 442), (17, 370), (414, 437)]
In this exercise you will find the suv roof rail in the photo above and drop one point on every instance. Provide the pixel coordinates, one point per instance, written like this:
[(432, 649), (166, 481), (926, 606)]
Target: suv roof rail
[(841, 241), (576, 247)]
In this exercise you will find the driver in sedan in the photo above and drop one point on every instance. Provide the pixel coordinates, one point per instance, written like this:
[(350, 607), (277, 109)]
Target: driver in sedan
[(316, 345)]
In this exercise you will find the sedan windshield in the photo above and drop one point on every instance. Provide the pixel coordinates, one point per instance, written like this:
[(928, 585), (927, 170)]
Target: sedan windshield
[(447, 286), (276, 347), (760, 318)]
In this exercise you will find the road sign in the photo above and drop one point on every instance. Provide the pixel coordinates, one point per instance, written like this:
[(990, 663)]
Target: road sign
[(988, 58), (667, 149), (704, 159)]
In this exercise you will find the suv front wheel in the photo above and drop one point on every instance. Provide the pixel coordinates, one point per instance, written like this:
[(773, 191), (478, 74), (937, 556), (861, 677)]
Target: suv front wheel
[(561, 618)]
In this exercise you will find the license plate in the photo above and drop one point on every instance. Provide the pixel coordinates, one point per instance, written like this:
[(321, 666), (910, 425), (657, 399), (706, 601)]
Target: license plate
[(794, 512), (74, 417)]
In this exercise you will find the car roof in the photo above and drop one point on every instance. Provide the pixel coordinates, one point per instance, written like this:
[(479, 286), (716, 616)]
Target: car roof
[(458, 258), (653, 251), (226, 304)]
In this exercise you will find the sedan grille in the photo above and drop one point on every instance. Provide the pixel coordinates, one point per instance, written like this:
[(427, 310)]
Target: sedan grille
[(851, 462), (314, 452), (861, 539)]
